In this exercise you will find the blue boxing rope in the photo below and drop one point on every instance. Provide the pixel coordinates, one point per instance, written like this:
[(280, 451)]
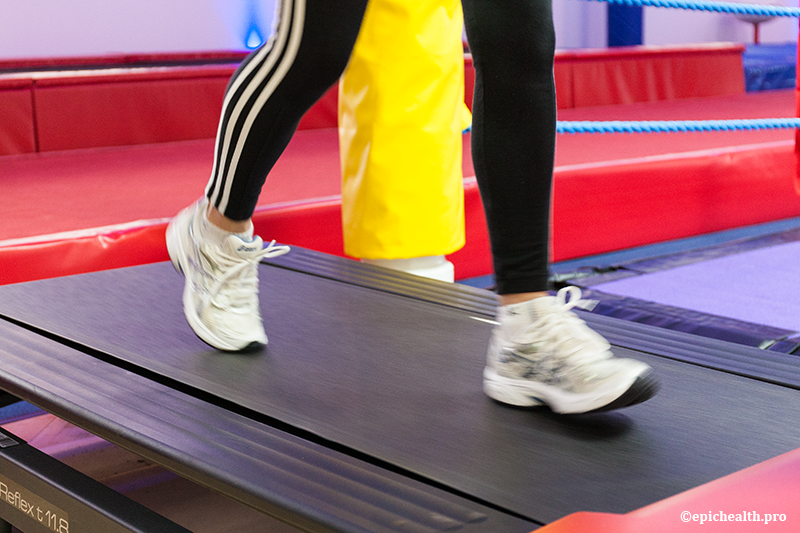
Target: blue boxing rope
[(683, 126), (675, 126), (716, 7)]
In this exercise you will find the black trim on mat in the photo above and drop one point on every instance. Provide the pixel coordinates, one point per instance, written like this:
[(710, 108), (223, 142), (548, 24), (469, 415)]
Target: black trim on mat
[(701, 324), (694, 322), (590, 276), (771, 367)]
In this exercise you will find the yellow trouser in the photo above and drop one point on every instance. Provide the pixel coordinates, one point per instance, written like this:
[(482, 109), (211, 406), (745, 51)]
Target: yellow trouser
[(401, 114)]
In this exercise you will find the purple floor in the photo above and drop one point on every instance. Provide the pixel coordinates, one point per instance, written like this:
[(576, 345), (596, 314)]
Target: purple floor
[(760, 286)]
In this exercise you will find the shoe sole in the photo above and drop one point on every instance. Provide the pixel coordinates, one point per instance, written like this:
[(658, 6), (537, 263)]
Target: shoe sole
[(523, 393), (644, 388), (177, 256)]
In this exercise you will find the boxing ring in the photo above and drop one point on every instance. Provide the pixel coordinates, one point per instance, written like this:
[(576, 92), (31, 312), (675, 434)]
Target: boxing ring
[(365, 413)]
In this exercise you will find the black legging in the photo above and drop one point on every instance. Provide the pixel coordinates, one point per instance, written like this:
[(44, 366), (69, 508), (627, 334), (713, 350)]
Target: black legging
[(514, 117)]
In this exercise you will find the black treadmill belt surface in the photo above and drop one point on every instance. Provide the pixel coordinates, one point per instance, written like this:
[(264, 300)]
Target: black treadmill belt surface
[(399, 380)]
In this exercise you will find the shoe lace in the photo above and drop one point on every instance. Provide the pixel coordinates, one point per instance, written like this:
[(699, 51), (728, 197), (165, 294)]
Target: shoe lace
[(562, 333), (237, 283)]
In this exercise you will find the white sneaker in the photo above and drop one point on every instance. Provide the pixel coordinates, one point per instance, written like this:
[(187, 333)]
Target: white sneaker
[(220, 297), (542, 353)]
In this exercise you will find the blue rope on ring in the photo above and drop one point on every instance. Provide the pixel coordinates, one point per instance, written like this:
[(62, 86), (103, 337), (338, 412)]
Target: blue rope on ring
[(716, 7), (682, 126), (675, 126)]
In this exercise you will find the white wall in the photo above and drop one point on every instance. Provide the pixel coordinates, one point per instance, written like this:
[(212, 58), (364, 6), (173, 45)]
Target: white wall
[(580, 23), (63, 28), (676, 26)]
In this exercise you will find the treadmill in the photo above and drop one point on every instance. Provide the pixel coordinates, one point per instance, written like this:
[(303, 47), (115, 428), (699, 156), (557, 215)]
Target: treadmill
[(365, 412)]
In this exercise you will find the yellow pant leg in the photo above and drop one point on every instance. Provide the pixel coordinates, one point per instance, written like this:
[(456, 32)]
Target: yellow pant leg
[(401, 114)]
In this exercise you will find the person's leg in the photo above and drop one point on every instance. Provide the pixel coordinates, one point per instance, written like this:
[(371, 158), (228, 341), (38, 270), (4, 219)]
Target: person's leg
[(211, 242), (401, 110), (541, 352), (271, 91), (513, 134)]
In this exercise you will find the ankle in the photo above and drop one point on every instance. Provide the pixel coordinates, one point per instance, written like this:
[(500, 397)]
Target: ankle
[(215, 227), (215, 217)]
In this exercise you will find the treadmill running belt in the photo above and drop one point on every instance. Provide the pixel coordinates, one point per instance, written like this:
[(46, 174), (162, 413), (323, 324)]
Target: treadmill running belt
[(398, 379)]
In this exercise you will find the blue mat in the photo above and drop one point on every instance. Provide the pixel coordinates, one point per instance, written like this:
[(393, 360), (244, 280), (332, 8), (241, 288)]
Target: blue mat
[(744, 290), (770, 66), (760, 286)]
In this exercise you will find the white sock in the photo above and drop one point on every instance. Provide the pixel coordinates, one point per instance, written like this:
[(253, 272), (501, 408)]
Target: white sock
[(216, 235)]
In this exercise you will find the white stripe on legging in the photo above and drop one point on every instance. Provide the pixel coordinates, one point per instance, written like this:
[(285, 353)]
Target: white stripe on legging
[(288, 39), (224, 136)]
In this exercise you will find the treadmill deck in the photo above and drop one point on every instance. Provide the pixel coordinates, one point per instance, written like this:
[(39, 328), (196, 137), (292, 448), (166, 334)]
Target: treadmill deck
[(387, 369)]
